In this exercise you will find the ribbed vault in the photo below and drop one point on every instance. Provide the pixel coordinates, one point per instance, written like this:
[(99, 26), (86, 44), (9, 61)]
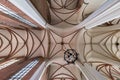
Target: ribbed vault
[(98, 48)]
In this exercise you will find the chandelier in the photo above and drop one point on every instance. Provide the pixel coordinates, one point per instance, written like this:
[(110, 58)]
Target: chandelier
[(70, 56)]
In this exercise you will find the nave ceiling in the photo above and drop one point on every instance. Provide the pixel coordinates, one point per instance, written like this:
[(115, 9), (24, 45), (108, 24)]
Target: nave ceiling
[(98, 47)]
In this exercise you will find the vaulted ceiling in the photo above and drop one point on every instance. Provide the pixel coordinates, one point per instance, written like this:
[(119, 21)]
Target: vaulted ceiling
[(47, 28)]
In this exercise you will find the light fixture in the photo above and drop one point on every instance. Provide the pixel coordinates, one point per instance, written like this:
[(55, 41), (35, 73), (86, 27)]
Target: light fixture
[(70, 56)]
